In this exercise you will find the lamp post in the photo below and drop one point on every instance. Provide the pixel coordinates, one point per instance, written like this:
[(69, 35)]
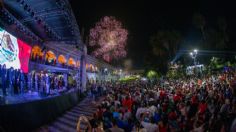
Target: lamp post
[(120, 73), (194, 56), (105, 74)]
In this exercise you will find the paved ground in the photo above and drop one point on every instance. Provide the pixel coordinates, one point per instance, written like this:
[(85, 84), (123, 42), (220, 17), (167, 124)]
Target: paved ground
[(68, 122)]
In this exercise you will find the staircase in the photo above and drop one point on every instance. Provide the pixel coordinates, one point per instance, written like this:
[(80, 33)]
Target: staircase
[(68, 121)]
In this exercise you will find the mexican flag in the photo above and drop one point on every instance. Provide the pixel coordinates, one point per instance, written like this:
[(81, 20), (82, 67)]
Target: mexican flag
[(13, 52)]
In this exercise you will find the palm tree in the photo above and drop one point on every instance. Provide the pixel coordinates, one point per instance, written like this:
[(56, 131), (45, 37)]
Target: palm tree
[(1, 4), (199, 22), (165, 43), (222, 25), (164, 47)]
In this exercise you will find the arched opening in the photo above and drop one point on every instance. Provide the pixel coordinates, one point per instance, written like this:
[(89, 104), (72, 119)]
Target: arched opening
[(50, 57), (96, 68), (78, 64), (71, 62), (61, 59), (87, 66), (91, 67), (36, 52)]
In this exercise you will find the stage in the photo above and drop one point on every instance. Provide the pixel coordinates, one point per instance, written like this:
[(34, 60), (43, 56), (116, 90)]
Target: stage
[(32, 110)]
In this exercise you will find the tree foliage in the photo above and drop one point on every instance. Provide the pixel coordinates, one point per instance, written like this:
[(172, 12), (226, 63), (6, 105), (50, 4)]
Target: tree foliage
[(165, 43)]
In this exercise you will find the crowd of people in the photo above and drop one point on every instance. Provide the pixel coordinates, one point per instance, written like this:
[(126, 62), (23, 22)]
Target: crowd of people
[(15, 82), (194, 104), (12, 81)]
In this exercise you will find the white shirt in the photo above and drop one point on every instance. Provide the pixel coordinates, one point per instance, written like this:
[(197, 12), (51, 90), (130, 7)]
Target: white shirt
[(150, 127)]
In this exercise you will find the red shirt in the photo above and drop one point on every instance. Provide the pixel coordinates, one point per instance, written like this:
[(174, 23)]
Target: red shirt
[(202, 107), (127, 103), (194, 100), (162, 94), (162, 128), (176, 98), (172, 116)]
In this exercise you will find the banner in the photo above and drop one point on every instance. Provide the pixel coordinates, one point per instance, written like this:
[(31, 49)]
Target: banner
[(13, 52)]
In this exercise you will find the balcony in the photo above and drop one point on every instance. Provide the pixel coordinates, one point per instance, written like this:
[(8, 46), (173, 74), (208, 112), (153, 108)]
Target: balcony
[(52, 63)]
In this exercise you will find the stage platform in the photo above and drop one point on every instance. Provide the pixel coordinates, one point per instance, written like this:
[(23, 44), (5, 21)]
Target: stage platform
[(32, 110), (28, 97)]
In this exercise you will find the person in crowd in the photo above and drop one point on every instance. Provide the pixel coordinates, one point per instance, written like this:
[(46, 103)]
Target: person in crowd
[(86, 121), (115, 127), (185, 104)]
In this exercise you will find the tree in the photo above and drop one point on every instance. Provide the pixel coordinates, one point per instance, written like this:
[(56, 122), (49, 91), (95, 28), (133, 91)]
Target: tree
[(109, 39), (217, 38), (222, 25), (199, 22), (165, 43), (1, 4)]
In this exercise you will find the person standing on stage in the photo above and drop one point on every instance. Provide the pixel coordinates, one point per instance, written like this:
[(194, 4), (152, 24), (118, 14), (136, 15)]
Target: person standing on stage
[(42, 83), (56, 82), (15, 81), (33, 81), (22, 82), (4, 80), (52, 82), (29, 82), (18, 81), (11, 80), (36, 82), (47, 79), (0, 76)]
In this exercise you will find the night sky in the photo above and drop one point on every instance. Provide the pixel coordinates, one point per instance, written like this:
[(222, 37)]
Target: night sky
[(144, 18)]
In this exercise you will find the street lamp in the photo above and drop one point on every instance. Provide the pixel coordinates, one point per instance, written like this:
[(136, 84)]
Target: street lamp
[(120, 73), (194, 56), (105, 69)]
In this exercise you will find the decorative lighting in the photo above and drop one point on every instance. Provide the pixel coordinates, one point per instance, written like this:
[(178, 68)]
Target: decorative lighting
[(105, 69)]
